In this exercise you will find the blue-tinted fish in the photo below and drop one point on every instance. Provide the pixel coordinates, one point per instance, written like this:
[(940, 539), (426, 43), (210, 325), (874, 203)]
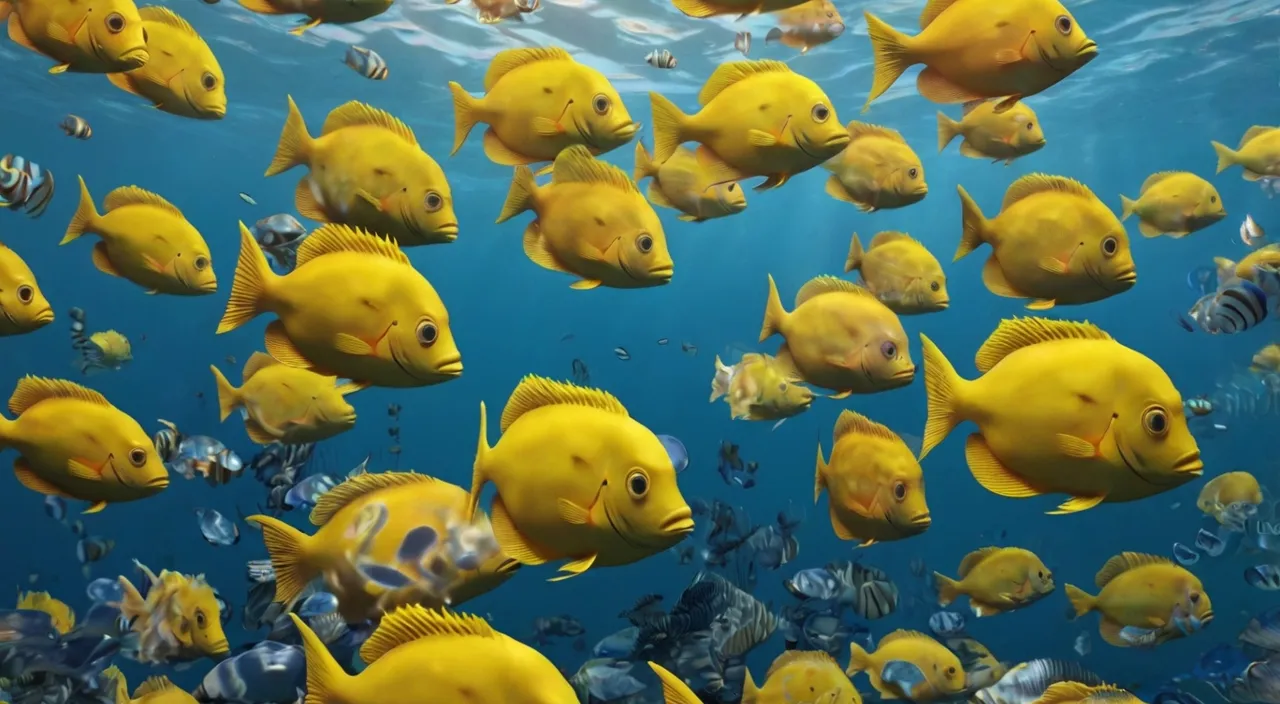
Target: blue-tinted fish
[(675, 449), (367, 63), (1264, 577), (607, 680), (318, 604), (269, 672), (1028, 681), (279, 236), (813, 583), (207, 457), (25, 186), (1260, 683), (1203, 280), (1210, 544), (906, 675), (1233, 308), (22, 628), (620, 645), (55, 507), (1220, 666), (945, 624), (104, 590), (304, 494), (1263, 630), (1184, 555), (216, 528)]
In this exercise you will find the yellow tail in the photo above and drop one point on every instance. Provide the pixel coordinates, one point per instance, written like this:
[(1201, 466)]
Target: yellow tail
[(85, 218), (719, 382), (228, 395), (975, 225), (1126, 207), (948, 129), (948, 589), (646, 167), (1227, 157), (942, 386), (262, 7), (674, 690), (750, 692), (859, 660), (522, 196), (465, 115), (478, 478), (819, 475), (891, 51), (250, 286), (1081, 601), (668, 127), (854, 261), (295, 142), (115, 680), (326, 679), (774, 314), (287, 546)]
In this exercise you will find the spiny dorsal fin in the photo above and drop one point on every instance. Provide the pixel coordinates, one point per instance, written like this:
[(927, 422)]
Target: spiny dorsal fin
[(932, 10), (507, 61), (1155, 178), (730, 73), (858, 130), (1032, 184), (891, 236), (132, 195), (163, 15), (819, 285), (850, 422), (34, 389), (357, 113), (817, 657), (1062, 692), (1124, 562), (1014, 334), (971, 106), (1253, 133), (904, 634), (256, 363), (333, 238), (576, 165), (158, 683), (118, 684), (536, 392), (333, 500), (414, 622), (972, 559)]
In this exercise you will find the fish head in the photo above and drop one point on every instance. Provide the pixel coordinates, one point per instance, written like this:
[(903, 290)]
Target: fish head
[(944, 671), (329, 404), (492, 573), (1028, 135), (902, 483), (23, 307), (1039, 575), (204, 84), (906, 174), (115, 33), (420, 341), (641, 496), (816, 129), (1108, 257), (598, 113), (1151, 438), (115, 348), (426, 206), (132, 460), (792, 397), (1208, 208), (641, 243), (1060, 41), (201, 618), (886, 359), (727, 198)]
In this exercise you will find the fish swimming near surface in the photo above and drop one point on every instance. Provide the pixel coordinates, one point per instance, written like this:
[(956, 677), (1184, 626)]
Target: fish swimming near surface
[(108, 34), (495, 11), (367, 63), (183, 76), (76, 126), (319, 12), (660, 59), (806, 26), (25, 186)]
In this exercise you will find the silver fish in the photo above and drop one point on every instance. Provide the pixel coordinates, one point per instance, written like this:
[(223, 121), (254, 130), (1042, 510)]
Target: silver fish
[(1251, 233), (279, 236), (216, 528), (76, 126), (660, 59), (742, 42), (367, 63), (1028, 681)]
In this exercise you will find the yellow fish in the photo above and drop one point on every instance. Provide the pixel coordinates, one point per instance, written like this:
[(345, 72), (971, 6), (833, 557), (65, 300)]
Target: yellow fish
[(1157, 599), (592, 222), (805, 26), (999, 136), (1080, 693), (1062, 408), (179, 619), (1258, 153), (286, 404), (183, 76), (64, 619), (982, 668), (901, 272), (1266, 360), (1174, 203), (605, 492), (943, 674), (742, 8), (73, 443), (369, 518), (876, 485), (146, 240), (155, 690), (538, 102), (384, 326), (801, 676), (997, 580), (973, 50), (23, 307), (319, 11), (367, 170), (757, 388), (686, 182), (758, 118), (878, 170), (1053, 242), (839, 337), (97, 36), (1246, 268), (1224, 496), (459, 657)]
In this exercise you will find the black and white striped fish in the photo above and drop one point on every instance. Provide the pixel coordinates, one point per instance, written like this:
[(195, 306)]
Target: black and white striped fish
[(1027, 682), (1233, 308), (76, 126), (24, 185), (367, 63), (742, 42), (660, 59)]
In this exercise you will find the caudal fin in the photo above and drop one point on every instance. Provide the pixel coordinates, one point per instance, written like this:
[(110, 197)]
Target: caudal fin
[(854, 260), (948, 589), (859, 660), (1081, 601), (85, 217), (774, 313), (720, 382), (326, 679), (948, 129), (942, 385), (250, 286), (750, 692), (975, 225), (464, 115), (645, 166), (478, 478), (1126, 207), (889, 48), (228, 395), (522, 196), (674, 690), (295, 142), (668, 127), (819, 475), (287, 546), (1227, 157)]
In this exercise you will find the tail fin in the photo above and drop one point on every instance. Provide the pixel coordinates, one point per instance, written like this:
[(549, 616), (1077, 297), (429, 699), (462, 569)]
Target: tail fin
[(326, 679), (859, 660), (465, 116), (855, 255), (890, 49), (249, 286), (942, 385), (295, 142), (774, 35), (522, 196), (668, 127), (774, 313), (975, 225), (720, 382), (645, 165), (948, 589), (674, 690), (948, 129), (132, 605), (478, 478), (1226, 270), (1227, 157), (819, 475), (85, 217), (1126, 207), (228, 395), (287, 546), (750, 692), (115, 681), (1081, 601)]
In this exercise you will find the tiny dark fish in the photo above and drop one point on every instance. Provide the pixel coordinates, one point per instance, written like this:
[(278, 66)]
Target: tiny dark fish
[(689, 348), (76, 126), (216, 528), (581, 375), (91, 548), (77, 528), (25, 186), (621, 353), (56, 508), (1264, 577), (567, 337), (367, 63), (1184, 555), (660, 58), (675, 449), (247, 198)]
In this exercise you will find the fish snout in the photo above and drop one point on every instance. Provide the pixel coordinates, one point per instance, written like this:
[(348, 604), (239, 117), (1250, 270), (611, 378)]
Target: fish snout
[(215, 112), (626, 131), (905, 374), (679, 523), (448, 231), (663, 274), (943, 303), (1087, 52), (158, 483), (837, 141), (135, 58), (835, 29), (1190, 464), (44, 317), (1127, 278), (921, 522), (451, 367)]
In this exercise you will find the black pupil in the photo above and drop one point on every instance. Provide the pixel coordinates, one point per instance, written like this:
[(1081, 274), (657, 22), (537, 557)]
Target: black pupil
[(1109, 245), (912, 173), (1157, 422), (821, 112), (900, 490), (601, 104), (116, 22), (24, 294), (428, 333), (645, 244), (1195, 598), (637, 484), (1213, 199), (1064, 24), (732, 186), (934, 286), (1030, 125)]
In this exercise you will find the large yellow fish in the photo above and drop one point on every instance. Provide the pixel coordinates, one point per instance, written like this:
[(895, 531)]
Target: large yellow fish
[(537, 102), (805, 26), (286, 404), (146, 240), (367, 170), (456, 657), (901, 272), (73, 443), (385, 325), (179, 618), (367, 520), (839, 337), (1174, 203), (758, 388), (1247, 268), (999, 136), (155, 690), (878, 170), (1080, 693), (686, 182), (64, 619), (974, 50), (1258, 153), (183, 76), (93, 36), (1225, 496), (801, 676), (320, 11), (1053, 242), (997, 580), (1144, 600), (1062, 408), (604, 492), (876, 485), (758, 118), (943, 675), (592, 222), (23, 307), (741, 8)]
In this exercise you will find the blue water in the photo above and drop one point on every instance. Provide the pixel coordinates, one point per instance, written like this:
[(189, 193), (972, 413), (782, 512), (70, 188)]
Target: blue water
[(1170, 77)]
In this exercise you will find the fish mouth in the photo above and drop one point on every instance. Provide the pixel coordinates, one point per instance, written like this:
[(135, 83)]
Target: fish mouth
[(451, 367), (1189, 463), (679, 523), (1087, 52), (208, 287), (835, 29), (44, 317), (907, 374), (1207, 618), (211, 112), (663, 274), (921, 522), (627, 131), (449, 231), (219, 648), (136, 57), (922, 190), (942, 304), (155, 482)]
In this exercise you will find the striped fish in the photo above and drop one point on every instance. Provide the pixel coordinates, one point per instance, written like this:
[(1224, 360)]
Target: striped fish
[(1233, 308), (660, 59), (76, 126), (24, 185), (1027, 682), (367, 63)]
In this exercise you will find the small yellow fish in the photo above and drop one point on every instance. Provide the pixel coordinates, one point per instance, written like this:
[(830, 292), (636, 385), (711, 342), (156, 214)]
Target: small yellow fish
[(1174, 203), (1247, 268), (999, 136), (23, 307), (1266, 360), (179, 619), (686, 182), (286, 404), (1080, 693), (801, 676), (155, 690), (757, 388), (901, 272), (943, 674), (146, 240), (1053, 242), (494, 11), (973, 50), (1223, 496), (1258, 153), (183, 76), (982, 668), (319, 11), (97, 36), (64, 619), (1149, 593), (997, 580), (878, 170), (742, 8), (805, 26)]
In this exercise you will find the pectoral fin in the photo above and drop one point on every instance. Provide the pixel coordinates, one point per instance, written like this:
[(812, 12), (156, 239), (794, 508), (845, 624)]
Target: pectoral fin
[(992, 474), (773, 181), (1077, 447), (575, 568), (350, 344), (310, 24), (584, 284), (83, 470), (1041, 304), (1009, 56), (1006, 104), (1053, 265), (572, 513), (370, 199), (762, 139), (546, 127), (1076, 504)]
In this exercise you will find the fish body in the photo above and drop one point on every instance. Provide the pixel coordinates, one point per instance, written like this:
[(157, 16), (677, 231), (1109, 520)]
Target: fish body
[(23, 307), (999, 136), (800, 675), (1053, 242), (319, 11), (901, 272), (1026, 682), (178, 619), (806, 26), (661, 59), (840, 337), (495, 11), (538, 102), (1251, 233), (366, 170), (1250, 267), (686, 182), (1266, 360), (1258, 153), (64, 619), (367, 63), (757, 388), (385, 326), (1236, 306), (98, 36), (875, 484), (1079, 693), (757, 118), (183, 76), (24, 185), (942, 674), (878, 170), (997, 580), (605, 492), (73, 443), (286, 404), (742, 8), (146, 240), (76, 126), (1147, 593), (592, 222), (1174, 203), (1219, 494), (155, 690)]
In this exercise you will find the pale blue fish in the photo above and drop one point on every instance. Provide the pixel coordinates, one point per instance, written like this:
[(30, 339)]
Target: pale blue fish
[(619, 645), (269, 673), (676, 450), (1264, 577), (103, 590), (216, 528), (1210, 543), (279, 236), (905, 675), (318, 604), (1263, 630), (607, 680), (1185, 556), (813, 583), (366, 62), (945, 624), (304, 494)]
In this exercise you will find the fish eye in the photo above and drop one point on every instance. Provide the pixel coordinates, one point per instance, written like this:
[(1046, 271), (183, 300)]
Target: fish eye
[(951, 671), (820, 113), (935, 286), (26, 293), (427, 333), (1156, 421), (201, 262), (1194, 597), (434, 201), (889, 350), (138, 456), (145, 37), (115, 23), (209, 81), (200, 620), (1213, 199), (1031, 126), (1063, 24), (637, 484), (732, 186), (1040, 574), (601, 104), (645, 243), (899, 490), (1110, 245), (913, 172)]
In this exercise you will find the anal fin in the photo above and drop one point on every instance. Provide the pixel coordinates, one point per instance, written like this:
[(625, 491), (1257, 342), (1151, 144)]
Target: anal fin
[(509, 538), (572, 513), (280, 347), (1077, 504), (995, 281), (103, 262), (257, 433), (574, 568), (992, 474), (500, 153), (34, 482), (535, 248), (934, 86)]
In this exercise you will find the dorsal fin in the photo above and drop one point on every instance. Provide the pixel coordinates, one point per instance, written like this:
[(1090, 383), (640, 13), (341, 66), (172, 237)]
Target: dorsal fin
[(576, 165), (1032, 184), (972, 559), (256, 363), (1253, 133), (536, 392), (34, 389), (1124, 562), (1155, 178), (932, 9), (858, 130), (358, 113), (158, 683), (971, 106), (1015, 333), (732, 72), (115, 681), (890, 236), (507, 61), (333, 500), (817, 657), (904, 634), (332, 238), (414, 622), (851, 422), (132, 195), (163, 15), (1063, 692), (819, 285)]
